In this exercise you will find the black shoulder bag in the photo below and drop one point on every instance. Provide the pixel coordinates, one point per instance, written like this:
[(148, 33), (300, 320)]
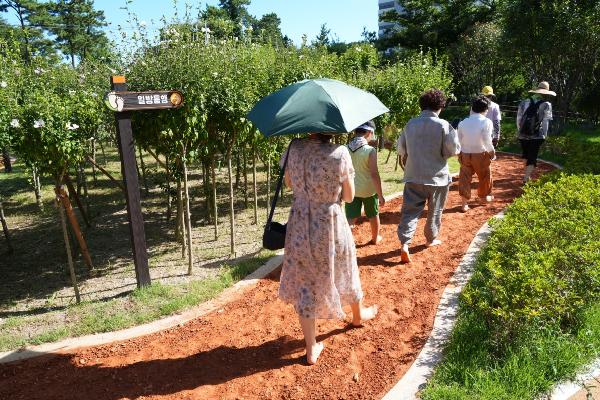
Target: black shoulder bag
[(274, 234)]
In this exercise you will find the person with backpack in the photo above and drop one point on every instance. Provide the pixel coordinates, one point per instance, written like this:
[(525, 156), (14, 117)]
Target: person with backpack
[(533, 123), (367, 181)]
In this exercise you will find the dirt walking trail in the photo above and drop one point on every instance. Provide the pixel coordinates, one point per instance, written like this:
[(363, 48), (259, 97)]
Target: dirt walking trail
[(253, 347)]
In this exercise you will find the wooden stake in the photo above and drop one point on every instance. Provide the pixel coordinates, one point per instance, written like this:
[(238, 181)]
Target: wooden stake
[(75, 195), (188, 218), (268, 185), (245, 160), (105, 172), (255, 189), (231, 206), (63, 224), (214, 194), (143, 166), (64, 198)]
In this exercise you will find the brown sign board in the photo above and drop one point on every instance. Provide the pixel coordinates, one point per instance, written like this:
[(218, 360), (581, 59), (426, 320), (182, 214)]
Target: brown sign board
[(139, 101)]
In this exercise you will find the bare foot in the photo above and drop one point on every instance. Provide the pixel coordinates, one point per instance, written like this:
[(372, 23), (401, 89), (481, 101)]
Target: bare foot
[(376, 241), (313, 354), (404, 256), (434, 242), (366, 314)]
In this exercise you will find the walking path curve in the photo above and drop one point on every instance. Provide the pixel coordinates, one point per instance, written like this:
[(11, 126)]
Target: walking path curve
[(252, 347)]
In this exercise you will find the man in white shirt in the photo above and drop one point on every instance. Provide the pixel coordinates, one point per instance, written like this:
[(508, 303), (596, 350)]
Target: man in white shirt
[(493, 113), (477, 152)]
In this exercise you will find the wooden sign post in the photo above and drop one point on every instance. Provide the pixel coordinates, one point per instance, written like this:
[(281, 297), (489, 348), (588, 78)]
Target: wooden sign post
[(123, 102)]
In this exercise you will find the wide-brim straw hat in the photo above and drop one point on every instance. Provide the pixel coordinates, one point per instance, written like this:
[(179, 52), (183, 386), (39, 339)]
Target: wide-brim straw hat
[(543, 88)]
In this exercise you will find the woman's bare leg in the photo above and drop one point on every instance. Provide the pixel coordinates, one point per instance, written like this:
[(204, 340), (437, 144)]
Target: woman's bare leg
[(361, 313), (313, 349)]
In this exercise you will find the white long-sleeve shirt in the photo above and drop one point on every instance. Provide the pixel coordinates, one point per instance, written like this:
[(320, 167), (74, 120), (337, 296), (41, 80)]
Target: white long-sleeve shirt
[(475, 134)]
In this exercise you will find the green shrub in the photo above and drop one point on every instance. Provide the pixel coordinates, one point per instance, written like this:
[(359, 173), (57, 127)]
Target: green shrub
[(541, 265)]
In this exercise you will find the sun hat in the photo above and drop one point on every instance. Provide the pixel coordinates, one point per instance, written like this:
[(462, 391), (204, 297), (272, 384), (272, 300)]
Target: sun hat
[(543, 88), (367, 126), (487, 91)]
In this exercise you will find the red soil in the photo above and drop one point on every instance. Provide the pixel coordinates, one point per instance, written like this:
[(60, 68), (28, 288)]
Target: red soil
[(253, 347)]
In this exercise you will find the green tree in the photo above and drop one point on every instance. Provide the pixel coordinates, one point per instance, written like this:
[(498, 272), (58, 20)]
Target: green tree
[(31, 36), (556, 41), (77, 28), (323, 38), (238, 13), (435, 24), (479, 59), (268, 29)]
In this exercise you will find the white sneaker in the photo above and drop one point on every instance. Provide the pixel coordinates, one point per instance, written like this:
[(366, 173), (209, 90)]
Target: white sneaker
[(489, 198)]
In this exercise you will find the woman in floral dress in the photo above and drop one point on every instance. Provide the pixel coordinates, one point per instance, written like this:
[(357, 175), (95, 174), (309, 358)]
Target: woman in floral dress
[(319, 274)]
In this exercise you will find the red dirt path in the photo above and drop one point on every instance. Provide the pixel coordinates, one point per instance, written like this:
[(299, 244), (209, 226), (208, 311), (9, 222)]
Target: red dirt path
[(253, 348)]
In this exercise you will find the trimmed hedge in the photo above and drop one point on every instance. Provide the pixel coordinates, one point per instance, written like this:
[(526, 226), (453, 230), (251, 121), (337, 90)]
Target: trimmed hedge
[(541, 265)]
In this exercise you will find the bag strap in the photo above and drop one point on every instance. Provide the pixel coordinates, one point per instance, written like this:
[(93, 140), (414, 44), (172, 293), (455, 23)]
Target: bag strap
[(279, 183)]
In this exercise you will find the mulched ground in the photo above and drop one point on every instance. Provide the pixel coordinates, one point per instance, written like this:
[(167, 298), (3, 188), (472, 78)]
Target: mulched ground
[(253, 348)]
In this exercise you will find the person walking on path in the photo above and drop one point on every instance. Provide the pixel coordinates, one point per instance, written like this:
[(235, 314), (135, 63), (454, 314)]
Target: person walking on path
[(320, 272), (477, 152), (424, 147), (367, 181), (493, 113), (533, 124)]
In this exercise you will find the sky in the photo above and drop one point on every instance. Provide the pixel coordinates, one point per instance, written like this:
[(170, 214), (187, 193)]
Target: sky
[(345, 18)]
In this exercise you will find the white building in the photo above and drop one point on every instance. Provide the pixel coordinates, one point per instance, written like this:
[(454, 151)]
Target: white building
[(384, 7)]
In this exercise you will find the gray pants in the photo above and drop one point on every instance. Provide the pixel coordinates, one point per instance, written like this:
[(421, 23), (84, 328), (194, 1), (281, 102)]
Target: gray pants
[(414, 198)]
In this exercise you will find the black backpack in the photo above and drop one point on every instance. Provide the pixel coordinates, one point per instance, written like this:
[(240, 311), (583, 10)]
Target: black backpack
[(531, 124)]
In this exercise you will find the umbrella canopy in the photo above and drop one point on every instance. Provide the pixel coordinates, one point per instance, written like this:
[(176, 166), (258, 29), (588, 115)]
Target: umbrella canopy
[(314, 106)]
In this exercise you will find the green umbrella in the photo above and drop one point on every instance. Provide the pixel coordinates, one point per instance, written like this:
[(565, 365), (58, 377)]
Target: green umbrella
[(313, 106)]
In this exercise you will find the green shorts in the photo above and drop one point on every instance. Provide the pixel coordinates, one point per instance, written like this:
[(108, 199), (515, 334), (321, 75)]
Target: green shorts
[(371, 207)]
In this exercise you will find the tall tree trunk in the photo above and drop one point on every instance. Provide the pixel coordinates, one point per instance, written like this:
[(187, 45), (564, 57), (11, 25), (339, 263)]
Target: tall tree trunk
[(254, 186), (103, 152), (180, 230), (64, 198), (94, 158), (5, 228), (245, 161), (206, 189), (169, 195), (188, 219), (6, 160), (86, 197), (214, 200), (268, 185), (37, 187), (237, 170), (63, 224), (231, 206), (143, 166)]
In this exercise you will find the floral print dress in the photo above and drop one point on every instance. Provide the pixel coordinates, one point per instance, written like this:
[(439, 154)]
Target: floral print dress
[(319, 273)]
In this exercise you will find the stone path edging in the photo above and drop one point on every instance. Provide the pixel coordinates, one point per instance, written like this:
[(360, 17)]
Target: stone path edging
[(151, 327), (421, 370), (565, 390)]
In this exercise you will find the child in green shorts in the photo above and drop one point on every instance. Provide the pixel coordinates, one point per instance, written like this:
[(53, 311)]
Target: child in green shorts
[(366, 180)]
